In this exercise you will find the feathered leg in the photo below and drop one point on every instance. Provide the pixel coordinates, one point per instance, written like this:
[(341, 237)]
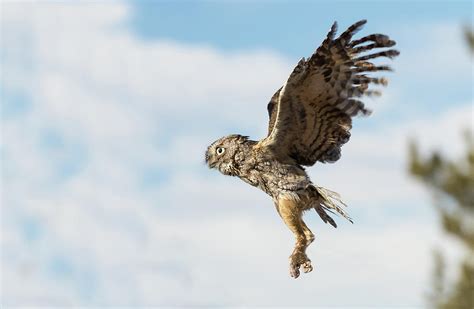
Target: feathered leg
[(291, 214)]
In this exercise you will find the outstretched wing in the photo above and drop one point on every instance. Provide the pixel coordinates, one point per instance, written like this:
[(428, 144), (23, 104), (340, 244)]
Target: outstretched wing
[(311, 115)]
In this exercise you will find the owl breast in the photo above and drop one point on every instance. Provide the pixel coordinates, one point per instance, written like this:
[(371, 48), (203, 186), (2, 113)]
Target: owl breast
[(274, 177)]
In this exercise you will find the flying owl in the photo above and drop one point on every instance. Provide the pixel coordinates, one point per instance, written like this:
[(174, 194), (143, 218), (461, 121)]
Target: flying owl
[(310, 120)]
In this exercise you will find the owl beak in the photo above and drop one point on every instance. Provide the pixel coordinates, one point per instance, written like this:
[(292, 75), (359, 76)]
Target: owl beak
[(212, 164), (207, 158)]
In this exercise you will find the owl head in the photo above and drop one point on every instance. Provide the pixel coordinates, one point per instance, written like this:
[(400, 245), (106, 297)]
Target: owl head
[(223, 154)]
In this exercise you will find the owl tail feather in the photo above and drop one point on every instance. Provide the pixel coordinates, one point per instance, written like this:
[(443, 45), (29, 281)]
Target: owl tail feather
[(330, 201)]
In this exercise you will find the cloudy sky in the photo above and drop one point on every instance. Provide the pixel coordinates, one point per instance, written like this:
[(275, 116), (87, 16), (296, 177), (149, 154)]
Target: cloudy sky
[(107, 108)]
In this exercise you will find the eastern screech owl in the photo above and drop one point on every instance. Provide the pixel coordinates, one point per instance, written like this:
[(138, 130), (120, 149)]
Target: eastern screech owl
[(310, 119)]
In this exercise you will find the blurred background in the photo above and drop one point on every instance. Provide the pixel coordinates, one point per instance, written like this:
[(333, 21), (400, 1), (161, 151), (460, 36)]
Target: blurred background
[(107, 109)]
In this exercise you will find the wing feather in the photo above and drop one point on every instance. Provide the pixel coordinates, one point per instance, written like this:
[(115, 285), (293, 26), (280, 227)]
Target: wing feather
[(311, 114), (272, 110)]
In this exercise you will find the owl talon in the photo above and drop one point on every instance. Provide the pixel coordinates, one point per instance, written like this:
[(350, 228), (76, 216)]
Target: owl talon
[(307, 267), (297, 260), (294, 271)]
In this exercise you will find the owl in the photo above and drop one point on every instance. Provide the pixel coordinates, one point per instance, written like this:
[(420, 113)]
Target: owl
[(310, 119)]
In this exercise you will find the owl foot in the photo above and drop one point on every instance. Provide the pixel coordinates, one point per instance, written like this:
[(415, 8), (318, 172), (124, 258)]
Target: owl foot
[(297, 260)]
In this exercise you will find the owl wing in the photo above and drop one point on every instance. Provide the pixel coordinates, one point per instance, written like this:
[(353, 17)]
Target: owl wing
[(311, 115)]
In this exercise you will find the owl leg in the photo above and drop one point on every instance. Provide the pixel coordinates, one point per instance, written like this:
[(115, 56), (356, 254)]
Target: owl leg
[(307, 233), (291, 213), (309, 236)]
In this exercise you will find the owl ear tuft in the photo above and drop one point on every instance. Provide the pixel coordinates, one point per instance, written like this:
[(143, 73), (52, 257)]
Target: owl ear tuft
[(239, 138), (243, 139)]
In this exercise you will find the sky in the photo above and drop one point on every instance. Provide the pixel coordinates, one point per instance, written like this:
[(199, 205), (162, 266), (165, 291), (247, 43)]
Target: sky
[(107, 109)]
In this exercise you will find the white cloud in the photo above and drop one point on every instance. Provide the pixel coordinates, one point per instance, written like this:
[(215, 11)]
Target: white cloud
[(125, 106), (439, 53)]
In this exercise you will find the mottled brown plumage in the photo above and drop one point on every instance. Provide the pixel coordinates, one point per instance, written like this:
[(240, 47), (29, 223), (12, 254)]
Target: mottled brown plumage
[(310, 119)]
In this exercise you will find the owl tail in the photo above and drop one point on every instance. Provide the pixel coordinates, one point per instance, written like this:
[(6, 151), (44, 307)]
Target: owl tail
[(330, 201)]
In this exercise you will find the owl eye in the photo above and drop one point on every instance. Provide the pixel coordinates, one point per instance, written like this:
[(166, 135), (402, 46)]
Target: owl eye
[(220, 150)]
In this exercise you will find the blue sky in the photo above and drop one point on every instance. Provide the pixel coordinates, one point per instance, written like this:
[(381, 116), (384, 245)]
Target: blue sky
[(285, 26), (107, 109), (295, 28)]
